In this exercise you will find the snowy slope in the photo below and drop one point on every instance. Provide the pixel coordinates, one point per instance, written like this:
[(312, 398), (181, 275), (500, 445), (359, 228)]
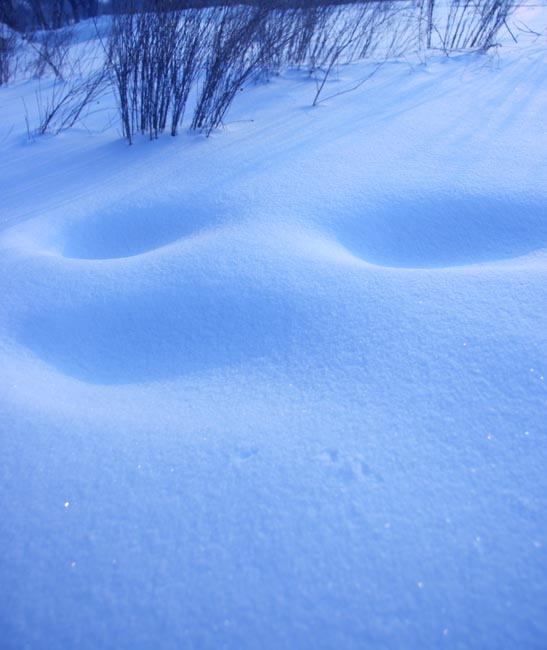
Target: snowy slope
[(284, 387)]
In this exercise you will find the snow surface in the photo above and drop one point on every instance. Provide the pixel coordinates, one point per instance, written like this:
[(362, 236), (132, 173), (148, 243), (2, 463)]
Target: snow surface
[(283, 387)]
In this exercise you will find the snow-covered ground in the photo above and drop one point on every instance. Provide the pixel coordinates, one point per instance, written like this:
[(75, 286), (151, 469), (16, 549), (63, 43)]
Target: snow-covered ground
[(284, 387)]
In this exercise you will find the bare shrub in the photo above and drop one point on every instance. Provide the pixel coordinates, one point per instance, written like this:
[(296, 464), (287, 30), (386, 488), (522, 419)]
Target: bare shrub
[(310, 25), (321, 36), (50, 49), (464, 24), (235, 55), (67, 101), (160, 52), (155, 58), (194, 33), (8, 59), (352, 34), (274, 34)]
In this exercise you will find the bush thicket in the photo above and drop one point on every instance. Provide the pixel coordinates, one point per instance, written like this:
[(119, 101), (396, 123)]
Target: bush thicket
[(161, 53)]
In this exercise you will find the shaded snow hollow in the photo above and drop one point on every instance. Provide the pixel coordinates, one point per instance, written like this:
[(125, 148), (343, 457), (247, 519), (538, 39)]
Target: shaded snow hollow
[(283, 387)]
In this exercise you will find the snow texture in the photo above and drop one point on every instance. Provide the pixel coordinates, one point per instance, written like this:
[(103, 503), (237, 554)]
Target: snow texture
[(283, 387)]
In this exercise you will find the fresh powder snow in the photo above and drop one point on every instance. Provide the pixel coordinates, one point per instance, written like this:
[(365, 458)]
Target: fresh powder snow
[(285, 386)]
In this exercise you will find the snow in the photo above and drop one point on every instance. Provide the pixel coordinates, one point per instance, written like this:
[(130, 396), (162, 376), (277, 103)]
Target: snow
[(283, 387)]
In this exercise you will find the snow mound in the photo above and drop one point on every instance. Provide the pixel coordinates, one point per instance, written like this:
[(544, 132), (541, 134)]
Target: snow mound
[(443, 230), (157, 333), (224, 424), (124, 230)]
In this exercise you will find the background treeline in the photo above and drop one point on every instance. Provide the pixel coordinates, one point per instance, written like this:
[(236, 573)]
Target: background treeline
[(23, 15)]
